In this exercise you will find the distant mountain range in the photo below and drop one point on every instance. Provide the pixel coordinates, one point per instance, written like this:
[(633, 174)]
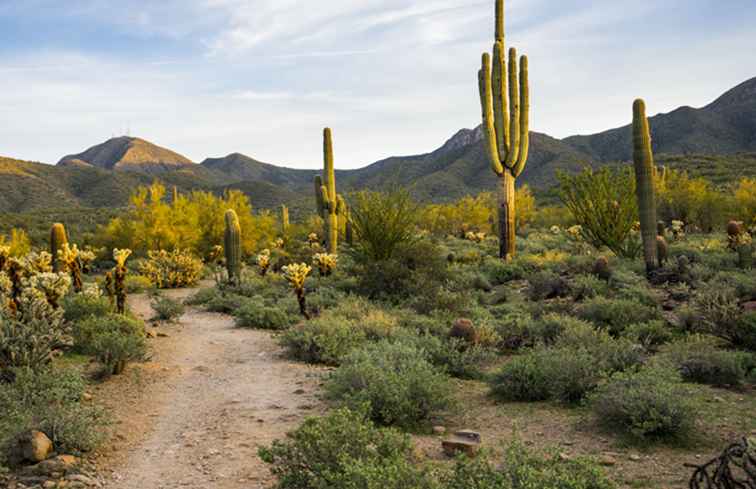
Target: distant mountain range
[(106, 174)]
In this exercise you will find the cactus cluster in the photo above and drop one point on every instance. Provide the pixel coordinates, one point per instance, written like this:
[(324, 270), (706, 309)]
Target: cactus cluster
[(232, 246), (505, 103), (118, 279), (325, 262), (69, 259), (263, 261), (330, 205), (645, 171)]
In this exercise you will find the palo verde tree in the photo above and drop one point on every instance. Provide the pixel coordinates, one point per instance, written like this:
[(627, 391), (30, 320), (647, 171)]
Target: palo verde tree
[(505, 101)]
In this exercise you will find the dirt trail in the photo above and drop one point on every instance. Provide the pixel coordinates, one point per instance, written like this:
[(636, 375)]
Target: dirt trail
[(195, 415)]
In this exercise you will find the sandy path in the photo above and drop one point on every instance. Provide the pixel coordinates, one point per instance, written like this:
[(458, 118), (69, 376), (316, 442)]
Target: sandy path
[(209, 397)]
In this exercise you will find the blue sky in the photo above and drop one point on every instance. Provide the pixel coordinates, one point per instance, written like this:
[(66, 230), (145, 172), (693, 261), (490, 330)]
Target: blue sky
[(391, 77)]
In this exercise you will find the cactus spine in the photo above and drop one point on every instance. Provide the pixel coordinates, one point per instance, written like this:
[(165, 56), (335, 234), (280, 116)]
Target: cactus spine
[(57, 240), (232, 246), (505, 103), (327, 200), (284, 219), (645, 170)]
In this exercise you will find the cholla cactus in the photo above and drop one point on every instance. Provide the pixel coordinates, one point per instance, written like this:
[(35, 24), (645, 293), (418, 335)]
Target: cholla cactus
[(575, 232), (216, 255), (678, 230), (277, 244), (325, 262), (41, 262), (68, 257), (555, 229), (475, 237), (263, 261), (92, 290), (53, 286), (296, 274), (119, 278), (6, 288), (86, 257), (4, 255), (313, 240)]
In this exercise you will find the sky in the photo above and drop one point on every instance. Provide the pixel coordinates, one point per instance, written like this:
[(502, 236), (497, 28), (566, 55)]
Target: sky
[(207, 78)]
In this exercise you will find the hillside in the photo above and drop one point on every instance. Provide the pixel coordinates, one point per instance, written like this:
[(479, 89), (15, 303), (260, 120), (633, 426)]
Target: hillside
[(726, 126), (127, 153)]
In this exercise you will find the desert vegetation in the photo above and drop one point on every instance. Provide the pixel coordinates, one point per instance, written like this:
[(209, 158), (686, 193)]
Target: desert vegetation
[(620, 309)]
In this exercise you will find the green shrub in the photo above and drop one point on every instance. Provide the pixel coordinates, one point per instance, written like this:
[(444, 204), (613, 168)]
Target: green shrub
[(114, 340), (500, 272), (383, 223), (396, 382), (698, 359), (49, 401), (456, 356), (719, 314), (224, 302), (523, 378), (546, 285), (526, 469), (646, 405), (82, 306), (167, 309), (325, 339), (343, 450), (547, 329), (254, 313), (587, 286), (136, 284), (651, 335), (615, 314), (202, 296)]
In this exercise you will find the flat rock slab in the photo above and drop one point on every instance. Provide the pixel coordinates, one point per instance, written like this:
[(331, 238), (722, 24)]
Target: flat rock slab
[(464, 441)]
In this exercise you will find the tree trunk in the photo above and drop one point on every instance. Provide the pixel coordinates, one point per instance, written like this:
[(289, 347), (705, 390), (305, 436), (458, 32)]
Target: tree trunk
[(507, 214)]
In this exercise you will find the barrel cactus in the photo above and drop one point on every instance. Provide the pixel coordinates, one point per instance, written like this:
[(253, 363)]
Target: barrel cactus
[(57, 239), (645, 170), (505, 103), (232, 246)]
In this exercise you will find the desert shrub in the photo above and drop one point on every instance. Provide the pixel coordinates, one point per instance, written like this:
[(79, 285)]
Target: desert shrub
[(224, 302), (136, 284), (171, 269), (547, 329), (383, 223), (81, 306), (523, 378), (30, 343), (500, 272), (646, 405), (698, 359), (396, 382), (113, 339), (587, 286), (603, 203), (615, 314), (720, 315), (202, 296), (167, 309), (48, 400), (546, 285), (254, 313), (651, 334), (343, 450), (454, 355), (326, 339), (525, 469)]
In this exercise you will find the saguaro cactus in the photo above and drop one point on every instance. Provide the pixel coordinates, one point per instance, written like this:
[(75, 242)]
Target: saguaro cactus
[(174, 195), (232, 246), (505, 101), (57, 240), (643, 159), (284, 219), (325, 193)]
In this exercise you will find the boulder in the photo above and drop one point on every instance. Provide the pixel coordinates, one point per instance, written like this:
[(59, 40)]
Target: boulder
[(32, 446), (465, 441)]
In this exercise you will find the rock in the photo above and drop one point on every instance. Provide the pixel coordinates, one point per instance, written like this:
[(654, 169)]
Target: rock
[(465, 441), (607, 461), (635, 458), (82, 479), (749, 307), (49, 484), (151, 333), (564, 456), (53, 466), (33, 446), (439, 430), (86, 396)]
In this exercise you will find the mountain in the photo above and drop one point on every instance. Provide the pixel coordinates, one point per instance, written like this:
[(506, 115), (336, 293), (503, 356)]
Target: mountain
[(127, 153), (717, 141), (726, 126)]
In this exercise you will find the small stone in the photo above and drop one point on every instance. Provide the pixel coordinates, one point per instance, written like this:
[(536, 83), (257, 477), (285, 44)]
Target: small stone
[(49, 484), (439, 430), (564, 456), (86, 396), (151, 333), (635, 458), (607, 461), (299, 392), (718, 399)]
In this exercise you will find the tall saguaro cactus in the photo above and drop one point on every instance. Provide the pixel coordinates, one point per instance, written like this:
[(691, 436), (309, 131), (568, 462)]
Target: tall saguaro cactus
[(57, 239), (284, 219), (505, 103), (232, 246), (643, 158), (325, 193)]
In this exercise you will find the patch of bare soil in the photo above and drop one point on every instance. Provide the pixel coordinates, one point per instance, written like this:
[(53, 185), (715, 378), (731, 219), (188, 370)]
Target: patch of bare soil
[(194, 415)]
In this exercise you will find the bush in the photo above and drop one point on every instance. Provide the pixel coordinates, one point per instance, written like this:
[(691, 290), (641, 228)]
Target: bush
[(325, 339), (383, 223), (699, 360), (646, 405), (523, 378), (720, 315), (172, 269), (546, 285), (457, 357), (49, 401), (651, 335), (254, 313), (615, 314), (395, 381), (82, 306), (525, 469), (202, 297), (167, 309), (587, 286), (30, 343), (224, 302), (113, 339), (343, 450), (136, 284)]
